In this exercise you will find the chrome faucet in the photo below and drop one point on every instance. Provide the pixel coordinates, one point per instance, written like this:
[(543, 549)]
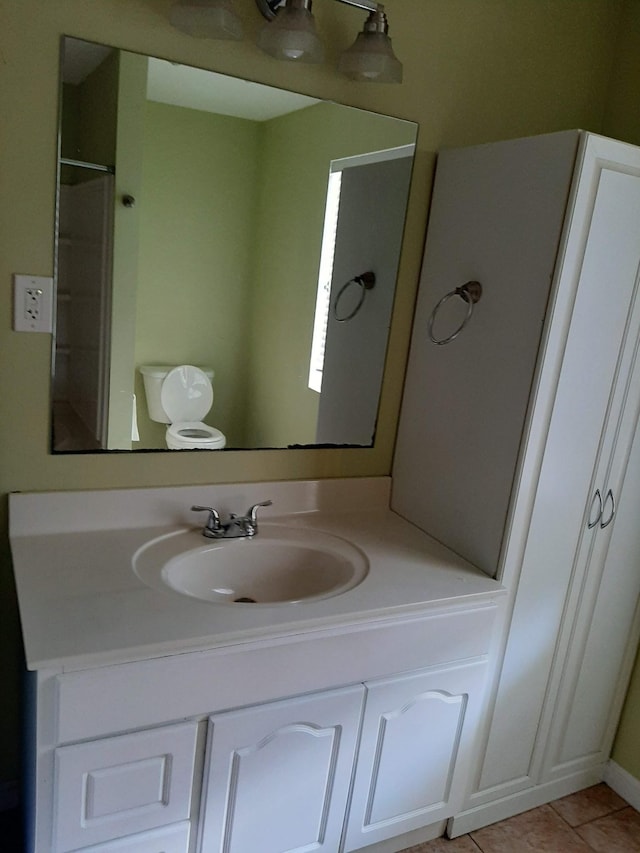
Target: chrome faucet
[(237, 526)]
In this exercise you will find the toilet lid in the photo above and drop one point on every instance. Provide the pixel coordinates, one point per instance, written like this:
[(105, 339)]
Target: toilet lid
[(186, 394)]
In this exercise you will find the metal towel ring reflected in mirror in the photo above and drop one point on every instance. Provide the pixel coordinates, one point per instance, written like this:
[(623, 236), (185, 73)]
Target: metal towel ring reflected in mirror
[(366, 281), (471, 293)]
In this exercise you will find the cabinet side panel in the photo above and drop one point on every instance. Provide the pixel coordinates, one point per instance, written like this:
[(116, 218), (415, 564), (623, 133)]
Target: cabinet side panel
[(496, 216)]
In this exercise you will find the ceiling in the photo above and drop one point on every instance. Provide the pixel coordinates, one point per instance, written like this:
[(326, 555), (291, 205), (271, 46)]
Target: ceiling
[(184, 86)]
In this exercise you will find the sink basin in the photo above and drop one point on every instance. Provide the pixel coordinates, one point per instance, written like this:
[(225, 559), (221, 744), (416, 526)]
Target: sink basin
[(280, 565)]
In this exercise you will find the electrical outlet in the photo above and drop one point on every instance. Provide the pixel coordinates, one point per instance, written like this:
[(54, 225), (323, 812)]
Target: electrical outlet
[(32, 303)]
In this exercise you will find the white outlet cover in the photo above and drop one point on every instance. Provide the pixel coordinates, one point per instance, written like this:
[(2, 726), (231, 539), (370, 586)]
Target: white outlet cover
[(36, 290)]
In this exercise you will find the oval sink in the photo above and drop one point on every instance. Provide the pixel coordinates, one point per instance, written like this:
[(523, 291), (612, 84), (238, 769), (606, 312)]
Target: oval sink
[(280, 565)]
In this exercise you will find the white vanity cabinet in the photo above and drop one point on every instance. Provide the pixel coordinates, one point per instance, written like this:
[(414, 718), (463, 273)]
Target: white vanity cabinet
[(332, 740), (533, 407)]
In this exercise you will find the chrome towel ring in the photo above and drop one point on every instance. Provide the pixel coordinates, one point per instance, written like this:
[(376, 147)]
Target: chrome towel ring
[(471, 293), (366, 281)]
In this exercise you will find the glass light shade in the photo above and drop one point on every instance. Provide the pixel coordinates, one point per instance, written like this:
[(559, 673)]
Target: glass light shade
[(213, 19), (292, 34), (371, 59)]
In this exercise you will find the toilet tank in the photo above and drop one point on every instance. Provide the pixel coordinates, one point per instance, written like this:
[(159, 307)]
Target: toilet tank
[(153, 376)]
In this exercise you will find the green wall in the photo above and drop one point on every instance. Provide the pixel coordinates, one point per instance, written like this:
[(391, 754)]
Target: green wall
[(197, 212), (297, 150), (132, 87), (98, 112), (475, 71), (218, 284)]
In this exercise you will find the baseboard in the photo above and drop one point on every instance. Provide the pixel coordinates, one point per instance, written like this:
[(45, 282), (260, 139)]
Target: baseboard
[(623, 783), (529, 798), (9, 796)]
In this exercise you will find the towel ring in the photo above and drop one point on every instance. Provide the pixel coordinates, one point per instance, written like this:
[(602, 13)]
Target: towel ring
[(366, 281), (470, 293)]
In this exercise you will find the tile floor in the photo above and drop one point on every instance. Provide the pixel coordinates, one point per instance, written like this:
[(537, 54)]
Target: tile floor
[(595, 819)]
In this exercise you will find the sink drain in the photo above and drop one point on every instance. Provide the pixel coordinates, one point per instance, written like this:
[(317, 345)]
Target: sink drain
[(244, 600)]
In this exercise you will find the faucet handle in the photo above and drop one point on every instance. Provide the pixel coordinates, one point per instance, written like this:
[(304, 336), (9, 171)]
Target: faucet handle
[(252, 512), (213, 522)]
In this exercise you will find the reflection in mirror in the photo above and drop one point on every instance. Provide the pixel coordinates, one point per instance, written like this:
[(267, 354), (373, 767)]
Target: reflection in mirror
[(213, 222)]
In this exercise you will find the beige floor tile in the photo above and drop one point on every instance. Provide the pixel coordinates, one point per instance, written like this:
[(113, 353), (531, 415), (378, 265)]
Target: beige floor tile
[(538, 831), (590, 804), (617, 833), (463, 844)]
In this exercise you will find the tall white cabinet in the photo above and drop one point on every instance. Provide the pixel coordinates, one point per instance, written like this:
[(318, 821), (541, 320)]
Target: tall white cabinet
[(517, 442)]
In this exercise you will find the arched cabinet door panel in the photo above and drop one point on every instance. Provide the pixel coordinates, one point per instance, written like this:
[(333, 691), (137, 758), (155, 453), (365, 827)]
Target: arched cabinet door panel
[(277, 775), (413, 755)]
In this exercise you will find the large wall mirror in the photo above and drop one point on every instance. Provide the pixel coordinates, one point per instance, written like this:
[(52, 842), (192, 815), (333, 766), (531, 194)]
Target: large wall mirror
[(246, 231)]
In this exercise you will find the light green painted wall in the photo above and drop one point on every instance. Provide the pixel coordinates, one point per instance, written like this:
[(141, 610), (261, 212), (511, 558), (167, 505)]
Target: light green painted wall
[(197, 223), (69, 145), (132, 87), (622, 120), (475, 71), (89, 120), (98, 113), (626, 749), (297, 150), (622, 113)]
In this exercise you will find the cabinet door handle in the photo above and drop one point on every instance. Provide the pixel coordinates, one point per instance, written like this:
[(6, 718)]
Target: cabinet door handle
[(593, 523), (606, 523)]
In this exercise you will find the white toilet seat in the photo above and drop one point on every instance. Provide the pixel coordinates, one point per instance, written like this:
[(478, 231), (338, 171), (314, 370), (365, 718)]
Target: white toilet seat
[(194, 435)]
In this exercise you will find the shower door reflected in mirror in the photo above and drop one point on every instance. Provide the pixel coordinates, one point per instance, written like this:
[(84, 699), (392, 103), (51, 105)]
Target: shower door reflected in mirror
[(203, 247)]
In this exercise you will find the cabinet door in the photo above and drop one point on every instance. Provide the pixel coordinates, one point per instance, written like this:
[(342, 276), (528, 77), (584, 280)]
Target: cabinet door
[(595, 671), (414, 752), (496, 216), (277, 776)]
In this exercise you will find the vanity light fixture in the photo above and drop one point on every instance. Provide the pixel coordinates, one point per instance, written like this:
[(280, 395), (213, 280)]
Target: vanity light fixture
[(291, 35), (371, 59), (214, 19)]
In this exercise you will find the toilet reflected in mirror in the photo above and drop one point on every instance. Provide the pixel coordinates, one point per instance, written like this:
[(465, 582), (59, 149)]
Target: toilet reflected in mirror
[(182, 397)]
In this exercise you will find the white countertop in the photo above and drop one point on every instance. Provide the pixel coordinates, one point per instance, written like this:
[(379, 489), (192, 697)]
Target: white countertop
[(82, 605)]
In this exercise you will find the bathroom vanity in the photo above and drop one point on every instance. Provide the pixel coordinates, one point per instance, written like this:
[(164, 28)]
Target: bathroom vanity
[(163, 723)]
